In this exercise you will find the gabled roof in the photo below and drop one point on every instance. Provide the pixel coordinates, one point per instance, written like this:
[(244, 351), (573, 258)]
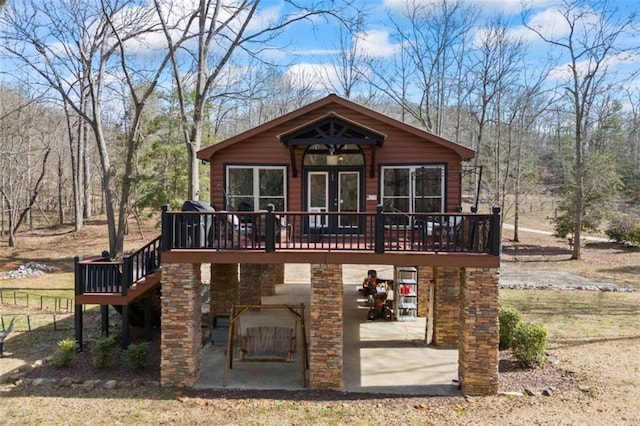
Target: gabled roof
[(463, 152)]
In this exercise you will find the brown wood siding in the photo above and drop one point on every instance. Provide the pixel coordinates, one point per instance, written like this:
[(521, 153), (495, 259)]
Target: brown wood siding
[(400, 147)]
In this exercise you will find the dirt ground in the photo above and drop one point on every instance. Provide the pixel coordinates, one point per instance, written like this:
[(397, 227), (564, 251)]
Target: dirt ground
[(591, 374)]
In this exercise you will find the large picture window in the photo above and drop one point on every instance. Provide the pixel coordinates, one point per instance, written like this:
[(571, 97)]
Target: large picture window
[(253, 188), (413, 189)]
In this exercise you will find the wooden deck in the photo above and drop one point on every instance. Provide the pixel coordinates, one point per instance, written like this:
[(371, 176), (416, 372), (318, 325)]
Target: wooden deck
[(444, 239)]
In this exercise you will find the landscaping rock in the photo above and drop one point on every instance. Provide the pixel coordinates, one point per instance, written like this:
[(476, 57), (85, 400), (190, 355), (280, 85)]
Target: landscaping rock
[(111, 384), (13, 378), (37, 382), (91, 384), (30, 269), (65, 382), (531, 392), (554, 280), (137, 383), (511, 393)]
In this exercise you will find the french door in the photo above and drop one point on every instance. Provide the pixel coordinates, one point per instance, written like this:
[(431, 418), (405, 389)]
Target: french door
[(334, 191)]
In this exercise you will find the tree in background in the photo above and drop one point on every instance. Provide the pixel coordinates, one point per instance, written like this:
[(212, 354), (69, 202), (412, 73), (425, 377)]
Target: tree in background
[(75, 47), (495, 70), (222, 31), (591, 42), (27, 133)]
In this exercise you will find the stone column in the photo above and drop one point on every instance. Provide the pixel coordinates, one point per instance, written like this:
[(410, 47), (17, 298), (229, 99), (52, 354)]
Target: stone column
[(269, 280), (250, 284), (181, 335), (325, 348), (278, 273), (272, 274), (478, 354), (224, 288), (446, 310), (425, 276)]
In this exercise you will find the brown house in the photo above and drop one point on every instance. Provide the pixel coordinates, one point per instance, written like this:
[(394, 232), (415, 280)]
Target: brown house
[(332, 155), (330, 179)]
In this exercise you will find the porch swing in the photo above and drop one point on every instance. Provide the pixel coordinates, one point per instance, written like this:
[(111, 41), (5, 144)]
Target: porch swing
[(265, 343)]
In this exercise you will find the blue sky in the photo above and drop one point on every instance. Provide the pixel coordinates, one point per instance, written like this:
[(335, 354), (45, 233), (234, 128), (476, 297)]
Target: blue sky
[(310, 50), (306, 50)]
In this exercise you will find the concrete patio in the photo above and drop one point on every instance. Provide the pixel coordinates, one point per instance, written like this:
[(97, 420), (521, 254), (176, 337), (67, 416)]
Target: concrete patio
[(378, 357)]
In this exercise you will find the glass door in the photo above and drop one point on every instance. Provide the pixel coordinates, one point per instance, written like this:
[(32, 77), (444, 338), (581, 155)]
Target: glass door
[(318, 199), (348, 199)]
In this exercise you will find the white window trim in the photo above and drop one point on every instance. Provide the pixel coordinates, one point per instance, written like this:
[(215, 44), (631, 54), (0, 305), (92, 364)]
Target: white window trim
[(412, 191), (256, 182)]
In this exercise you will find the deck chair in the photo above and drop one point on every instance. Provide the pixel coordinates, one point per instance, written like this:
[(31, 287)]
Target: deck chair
[(268, 343), (4, 335), (242, 229)]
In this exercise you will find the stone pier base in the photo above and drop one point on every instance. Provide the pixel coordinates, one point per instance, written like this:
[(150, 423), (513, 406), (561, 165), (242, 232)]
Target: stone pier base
[(271, 275), (446, 315), (479, 337), (325, 349), (181, 335), (224, 288), (250, 284)]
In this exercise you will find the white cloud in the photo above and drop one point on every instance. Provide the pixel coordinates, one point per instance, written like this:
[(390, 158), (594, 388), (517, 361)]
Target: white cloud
[(506, 6), (316, 52), (263, 18), (315, 76), (549, 23), (611, 64), (376, 44)]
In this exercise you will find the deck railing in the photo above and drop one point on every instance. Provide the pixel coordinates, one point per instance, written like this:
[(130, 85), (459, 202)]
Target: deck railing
[(99, 275), (379, 232)]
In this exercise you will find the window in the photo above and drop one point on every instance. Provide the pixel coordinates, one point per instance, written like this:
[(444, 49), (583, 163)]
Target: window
[(333, 155), (252, 188), (413, 189)]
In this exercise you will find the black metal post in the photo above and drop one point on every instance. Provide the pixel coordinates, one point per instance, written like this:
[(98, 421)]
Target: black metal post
[(270, 235), (165, 242), (379, 235), (104, 313), (77, 316), (126, 337), (147, 318), (126, 278), (495, 231)]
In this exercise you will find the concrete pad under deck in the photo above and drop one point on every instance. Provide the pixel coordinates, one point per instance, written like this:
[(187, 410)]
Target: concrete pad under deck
[(379, 357)]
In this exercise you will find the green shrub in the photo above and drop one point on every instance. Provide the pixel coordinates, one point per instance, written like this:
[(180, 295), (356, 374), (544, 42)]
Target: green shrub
[(66, 352), (563, 225), (635, 235), (529, 344), (621, 230), (509, 318), (102, 352), (137, 355)]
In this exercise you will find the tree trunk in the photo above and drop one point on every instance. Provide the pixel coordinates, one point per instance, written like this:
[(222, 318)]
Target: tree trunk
[(86, 175), (193, 168), (577, 226), (60, 193)]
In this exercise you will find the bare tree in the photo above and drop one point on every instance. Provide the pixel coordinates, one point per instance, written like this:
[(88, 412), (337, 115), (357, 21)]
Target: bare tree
[(592, 44), (347, 67), (222, 30), (523, 106), (75, 46), (432, 37), (26, 136)]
